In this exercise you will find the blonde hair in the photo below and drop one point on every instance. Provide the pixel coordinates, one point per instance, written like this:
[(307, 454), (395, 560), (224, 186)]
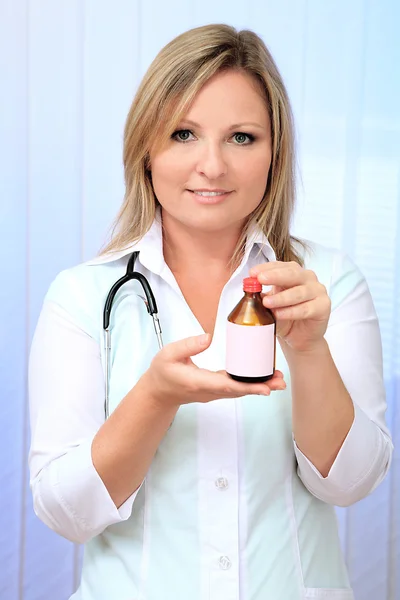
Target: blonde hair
[(168, 88)]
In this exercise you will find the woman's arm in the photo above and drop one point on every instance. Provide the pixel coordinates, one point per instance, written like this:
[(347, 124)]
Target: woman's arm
[(124, 446), (339, 466), (322, 409), (333, 349), (85, 473)]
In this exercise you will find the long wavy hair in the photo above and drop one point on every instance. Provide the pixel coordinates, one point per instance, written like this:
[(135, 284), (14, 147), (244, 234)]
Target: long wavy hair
[(165, 94)]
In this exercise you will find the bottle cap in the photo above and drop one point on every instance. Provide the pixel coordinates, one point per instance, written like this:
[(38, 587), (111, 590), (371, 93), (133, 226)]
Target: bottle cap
[(251, 284)]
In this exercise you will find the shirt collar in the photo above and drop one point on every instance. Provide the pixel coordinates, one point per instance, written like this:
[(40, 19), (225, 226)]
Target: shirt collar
[(151, 249), (256, 237)]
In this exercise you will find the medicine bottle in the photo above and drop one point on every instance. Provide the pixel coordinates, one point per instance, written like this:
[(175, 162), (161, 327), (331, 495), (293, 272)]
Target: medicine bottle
[(251, 337)]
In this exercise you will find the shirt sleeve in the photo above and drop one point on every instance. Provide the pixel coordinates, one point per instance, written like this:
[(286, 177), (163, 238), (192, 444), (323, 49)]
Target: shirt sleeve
[(354, 340), (66, 398)]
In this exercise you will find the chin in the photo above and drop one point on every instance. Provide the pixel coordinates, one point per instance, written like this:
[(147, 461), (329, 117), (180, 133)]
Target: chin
[(208, 219), (212, 221)]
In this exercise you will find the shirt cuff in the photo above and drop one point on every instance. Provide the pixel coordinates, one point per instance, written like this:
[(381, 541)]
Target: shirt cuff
[(76, 501), (359, 467)]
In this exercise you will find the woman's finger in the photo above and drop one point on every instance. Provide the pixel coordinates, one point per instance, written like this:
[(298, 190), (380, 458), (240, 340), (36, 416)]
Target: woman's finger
[(275, 264), (295, 295), (276, 384), (287, 275), (284, 274), (278, 375), (318, 308), (222, 385)]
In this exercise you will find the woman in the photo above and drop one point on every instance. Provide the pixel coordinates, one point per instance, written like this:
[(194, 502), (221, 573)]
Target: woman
[(198, 486)]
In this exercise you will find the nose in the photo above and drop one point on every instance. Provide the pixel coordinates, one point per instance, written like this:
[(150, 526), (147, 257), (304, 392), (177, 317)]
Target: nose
[(211, 162)]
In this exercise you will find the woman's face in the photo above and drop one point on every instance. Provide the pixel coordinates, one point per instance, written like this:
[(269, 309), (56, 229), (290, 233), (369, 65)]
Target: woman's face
[(213, 172)]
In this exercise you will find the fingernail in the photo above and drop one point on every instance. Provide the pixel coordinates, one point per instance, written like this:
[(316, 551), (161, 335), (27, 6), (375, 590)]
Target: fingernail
[(203, 339)]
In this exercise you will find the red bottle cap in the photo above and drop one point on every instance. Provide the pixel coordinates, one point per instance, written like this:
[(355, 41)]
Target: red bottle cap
[(251, 284)]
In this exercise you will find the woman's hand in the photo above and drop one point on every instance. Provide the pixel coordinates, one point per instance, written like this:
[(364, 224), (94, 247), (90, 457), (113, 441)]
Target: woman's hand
[(299, 302), (173, 378)]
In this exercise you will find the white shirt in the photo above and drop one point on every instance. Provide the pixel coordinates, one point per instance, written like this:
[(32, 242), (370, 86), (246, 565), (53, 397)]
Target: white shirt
[(230, 509)]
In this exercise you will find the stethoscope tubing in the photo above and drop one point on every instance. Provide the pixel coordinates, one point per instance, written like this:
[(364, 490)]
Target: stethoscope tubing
[(151, 306)]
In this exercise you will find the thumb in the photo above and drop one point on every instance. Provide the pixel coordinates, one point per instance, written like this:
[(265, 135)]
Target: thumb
[(188, 347)]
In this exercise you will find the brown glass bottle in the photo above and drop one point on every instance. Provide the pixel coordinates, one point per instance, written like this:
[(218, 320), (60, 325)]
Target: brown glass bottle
[(251, 337)]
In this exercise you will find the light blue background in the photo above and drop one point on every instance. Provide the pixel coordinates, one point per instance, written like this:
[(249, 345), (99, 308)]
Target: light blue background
[(68, 72)]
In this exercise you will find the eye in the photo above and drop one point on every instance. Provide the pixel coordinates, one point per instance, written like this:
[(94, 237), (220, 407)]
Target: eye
[(182, 135), (243, 139)]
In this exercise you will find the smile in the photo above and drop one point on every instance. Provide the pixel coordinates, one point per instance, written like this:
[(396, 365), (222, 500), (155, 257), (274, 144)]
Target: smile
[(210, 194), (209, 197)]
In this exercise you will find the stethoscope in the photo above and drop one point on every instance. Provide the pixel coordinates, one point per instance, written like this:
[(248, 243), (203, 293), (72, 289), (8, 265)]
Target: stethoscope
[(151, 306)]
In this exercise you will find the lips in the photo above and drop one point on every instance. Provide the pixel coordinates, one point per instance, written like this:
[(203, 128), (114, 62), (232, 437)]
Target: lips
[(209, 196), (213, 192)]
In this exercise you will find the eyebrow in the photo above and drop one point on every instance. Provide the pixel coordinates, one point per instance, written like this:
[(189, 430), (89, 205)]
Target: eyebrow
[(235, 126)]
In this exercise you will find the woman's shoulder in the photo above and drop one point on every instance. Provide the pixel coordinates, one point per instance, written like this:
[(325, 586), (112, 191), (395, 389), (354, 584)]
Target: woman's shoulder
[(311, 250), (89, 276), (321, 256), (333, 267), (82, 288)]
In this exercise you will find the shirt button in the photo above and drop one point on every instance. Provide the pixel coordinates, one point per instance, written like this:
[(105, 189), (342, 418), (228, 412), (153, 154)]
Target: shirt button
[(224, 563), (221, 483)]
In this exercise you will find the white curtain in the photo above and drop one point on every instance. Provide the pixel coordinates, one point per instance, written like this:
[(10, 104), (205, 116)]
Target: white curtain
[(68, 72)]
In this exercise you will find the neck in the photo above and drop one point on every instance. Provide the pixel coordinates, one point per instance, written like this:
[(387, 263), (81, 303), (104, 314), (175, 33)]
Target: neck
[(186, 249)]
